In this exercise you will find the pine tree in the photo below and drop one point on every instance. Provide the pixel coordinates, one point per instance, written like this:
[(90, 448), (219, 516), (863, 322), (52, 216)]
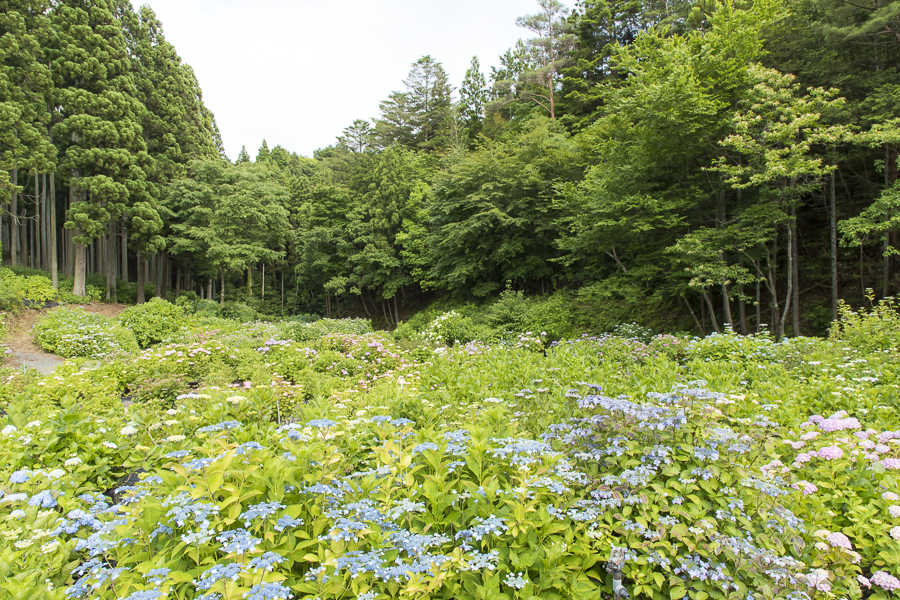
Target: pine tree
[(243, 157), (357, 137), (415, 118), (473, 95), (263, 154), (553, 44)]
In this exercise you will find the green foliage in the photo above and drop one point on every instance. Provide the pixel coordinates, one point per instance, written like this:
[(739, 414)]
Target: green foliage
[(14, 289), (153, 321), (870, 330), (310, 331), (73, 332), (237, 312)]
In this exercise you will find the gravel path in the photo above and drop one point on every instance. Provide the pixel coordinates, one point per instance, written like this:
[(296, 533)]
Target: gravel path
[(45, 363)]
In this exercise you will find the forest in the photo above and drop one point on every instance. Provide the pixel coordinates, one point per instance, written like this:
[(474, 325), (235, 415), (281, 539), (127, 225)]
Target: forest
[(691, 166)]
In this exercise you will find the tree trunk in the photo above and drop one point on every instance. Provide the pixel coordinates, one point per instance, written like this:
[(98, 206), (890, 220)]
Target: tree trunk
[(14, 220), (54, 267), (742, 312), (694, 316), (834, 256), (166, 276), (112, 266), (282, 292), (726, 308), (758, 306), (250, 281), (140, 296), (221, 286), (80, 266), (178, 281), (795, 273), (712, 312), (396, 310), (124, 250), (263, 297), (37, 239)]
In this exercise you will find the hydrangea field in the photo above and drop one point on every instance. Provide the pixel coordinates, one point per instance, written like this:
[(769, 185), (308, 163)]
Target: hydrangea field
[(237, 462)]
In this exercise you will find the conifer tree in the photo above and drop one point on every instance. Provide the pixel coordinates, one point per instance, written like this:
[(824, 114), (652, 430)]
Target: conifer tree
[(243, 157), (99, 133), (473, 95), (263, 154), (415, 118), (25, 86)]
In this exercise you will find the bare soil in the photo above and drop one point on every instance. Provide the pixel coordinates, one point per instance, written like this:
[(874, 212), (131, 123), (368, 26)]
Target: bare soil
[(26, 353)]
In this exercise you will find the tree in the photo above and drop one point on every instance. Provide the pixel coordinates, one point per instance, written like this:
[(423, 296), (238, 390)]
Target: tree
[(553, 44), (99, 132), (357, 137), (263, 154), (243, 157), (233, 217), (25, 88), (415, 118), (493, 218), (773, 137), (473, 95)]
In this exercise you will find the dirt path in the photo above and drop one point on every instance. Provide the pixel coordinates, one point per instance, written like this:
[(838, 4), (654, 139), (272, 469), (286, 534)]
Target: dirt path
[(28, 354)]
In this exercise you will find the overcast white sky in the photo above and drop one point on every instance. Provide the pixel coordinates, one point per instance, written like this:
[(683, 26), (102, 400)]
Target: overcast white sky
[(296, 72)]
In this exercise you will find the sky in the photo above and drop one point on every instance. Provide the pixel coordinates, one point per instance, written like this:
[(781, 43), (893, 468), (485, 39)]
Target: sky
[(297, 72)]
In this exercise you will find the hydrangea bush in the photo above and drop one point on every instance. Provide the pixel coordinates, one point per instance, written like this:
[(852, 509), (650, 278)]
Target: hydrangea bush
[(74, 332), (471, 472)]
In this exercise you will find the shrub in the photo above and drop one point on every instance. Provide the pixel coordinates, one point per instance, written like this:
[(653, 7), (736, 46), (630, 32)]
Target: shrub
[(14, 289), (306, 332), (633, 331), (876, 329), (237, 311), (191, 303), (73, 332), (153, 321)]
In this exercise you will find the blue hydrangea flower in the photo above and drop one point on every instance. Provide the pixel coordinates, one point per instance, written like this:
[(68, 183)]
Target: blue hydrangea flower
[(266, 562), (268, 591), (324, 423)]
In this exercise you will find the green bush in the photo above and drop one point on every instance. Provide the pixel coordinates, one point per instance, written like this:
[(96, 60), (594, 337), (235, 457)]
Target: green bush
[(633, 331), (876, 329), (73, 332), (153, 321), (14, 288), (237, 311), (306, 332)]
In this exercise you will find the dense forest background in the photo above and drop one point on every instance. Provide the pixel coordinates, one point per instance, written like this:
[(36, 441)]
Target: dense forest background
[(684, 164)]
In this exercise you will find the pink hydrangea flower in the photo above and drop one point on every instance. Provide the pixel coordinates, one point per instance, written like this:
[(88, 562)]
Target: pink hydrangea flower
[(863, 581), (868, 445), (881, 448), (862, 434), (839, 540), (891, 463), (803, 457), (885, 581), (890, 496), (831, 453), (816, 419), (810, 435), (832, 424), (807, 487), (894, 510), (895, 533), (818, 579)]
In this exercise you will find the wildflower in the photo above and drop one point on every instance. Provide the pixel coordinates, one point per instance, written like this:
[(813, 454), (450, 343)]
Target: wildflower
[(885, 581)]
